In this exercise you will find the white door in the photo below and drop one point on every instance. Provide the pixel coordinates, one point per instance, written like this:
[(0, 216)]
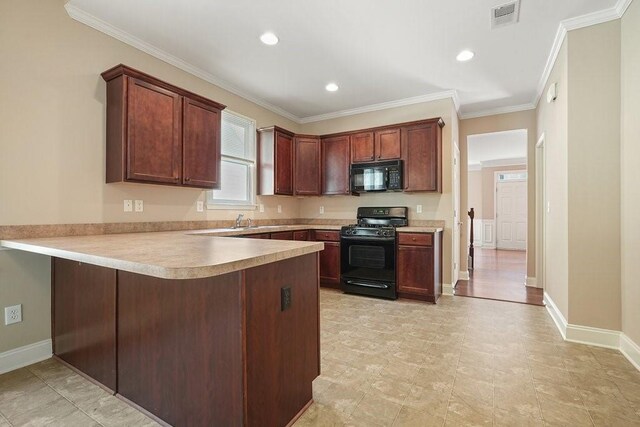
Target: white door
[(511, 215), (456, 214)]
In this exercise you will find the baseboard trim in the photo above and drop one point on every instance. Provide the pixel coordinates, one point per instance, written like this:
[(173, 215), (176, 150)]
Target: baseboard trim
[(464, 275), (531, 282), (594, 336), (556, 315), (448, 289), (26, 355), (630, 350)]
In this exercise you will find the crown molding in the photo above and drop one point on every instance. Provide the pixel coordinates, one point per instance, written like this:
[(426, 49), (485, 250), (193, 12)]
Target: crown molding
[(384, 106), (594, 18), (499, 110), (108, 29)]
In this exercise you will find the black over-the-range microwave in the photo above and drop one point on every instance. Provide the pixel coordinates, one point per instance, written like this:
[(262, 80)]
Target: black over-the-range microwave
[(378, 176)]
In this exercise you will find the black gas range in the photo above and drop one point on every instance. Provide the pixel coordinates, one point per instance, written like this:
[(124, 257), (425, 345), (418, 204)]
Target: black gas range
[(368, 251)]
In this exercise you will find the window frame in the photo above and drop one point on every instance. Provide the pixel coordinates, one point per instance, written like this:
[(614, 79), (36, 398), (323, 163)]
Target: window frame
[(251, 204)]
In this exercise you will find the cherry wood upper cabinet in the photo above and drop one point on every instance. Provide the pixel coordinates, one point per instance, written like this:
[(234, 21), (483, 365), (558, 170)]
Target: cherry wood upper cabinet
[(159, 133), (153, 126), (362, 147), (201, 140), (307, 165), (335, 165), (276, 161), (387, 144), (422, 155)]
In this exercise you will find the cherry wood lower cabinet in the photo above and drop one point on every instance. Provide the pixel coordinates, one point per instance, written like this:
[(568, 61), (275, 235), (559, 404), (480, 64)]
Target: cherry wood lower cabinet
[(282, 235), (419, 266), (221, 350), (301, 235), (84, 318), (329, 257)]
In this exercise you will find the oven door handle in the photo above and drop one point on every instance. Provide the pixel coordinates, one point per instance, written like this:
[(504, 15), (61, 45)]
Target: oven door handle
[(369, 239), (368, 285)]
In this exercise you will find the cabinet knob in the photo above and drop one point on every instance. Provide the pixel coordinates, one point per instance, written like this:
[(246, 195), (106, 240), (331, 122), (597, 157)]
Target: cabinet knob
[(413, 238), (187, 179), (176, 177)]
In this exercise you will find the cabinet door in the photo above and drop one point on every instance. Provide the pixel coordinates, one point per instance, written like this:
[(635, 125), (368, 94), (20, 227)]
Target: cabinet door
[(388, 144), (335, 165), (330, 263), (307, 166), (284, 164), (154, 144), (84, 318), (422, 158), (200, 145), (362, 147), (415, 270)]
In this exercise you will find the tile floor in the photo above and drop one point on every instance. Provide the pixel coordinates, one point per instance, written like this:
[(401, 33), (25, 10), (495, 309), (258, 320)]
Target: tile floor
[(462, 362)]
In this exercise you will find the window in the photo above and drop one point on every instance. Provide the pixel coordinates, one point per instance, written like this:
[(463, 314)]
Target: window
[(238, 166)]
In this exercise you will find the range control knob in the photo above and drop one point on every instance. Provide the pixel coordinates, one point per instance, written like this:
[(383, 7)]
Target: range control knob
[(378, 232)]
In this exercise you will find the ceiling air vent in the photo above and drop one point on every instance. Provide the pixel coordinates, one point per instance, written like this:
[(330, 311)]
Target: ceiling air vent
[(505, 14)]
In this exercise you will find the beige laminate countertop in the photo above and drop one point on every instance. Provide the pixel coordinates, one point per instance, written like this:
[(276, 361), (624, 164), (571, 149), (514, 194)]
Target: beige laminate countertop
[(167, 255), (279, 228)]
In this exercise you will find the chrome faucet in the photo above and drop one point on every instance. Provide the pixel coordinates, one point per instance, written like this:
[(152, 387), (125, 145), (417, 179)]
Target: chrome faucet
[(238, 220)]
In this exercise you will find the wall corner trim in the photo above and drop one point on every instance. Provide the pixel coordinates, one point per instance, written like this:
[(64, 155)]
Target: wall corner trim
[(26, 355), (531, 282), (594, 336), (448, 289)]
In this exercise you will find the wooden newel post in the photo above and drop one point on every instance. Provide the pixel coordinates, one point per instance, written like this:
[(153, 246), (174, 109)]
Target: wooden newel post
[(471, 215)]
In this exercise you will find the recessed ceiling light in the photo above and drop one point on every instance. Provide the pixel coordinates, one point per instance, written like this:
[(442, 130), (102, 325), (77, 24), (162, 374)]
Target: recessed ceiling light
[(465, 55), (332, 87), (269, 39)]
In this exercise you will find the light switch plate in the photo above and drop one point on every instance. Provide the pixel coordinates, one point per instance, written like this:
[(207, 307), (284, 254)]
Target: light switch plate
[(139, 206), (279, 208), (321, 209), (200, 206), (128, 206), (419, 208)]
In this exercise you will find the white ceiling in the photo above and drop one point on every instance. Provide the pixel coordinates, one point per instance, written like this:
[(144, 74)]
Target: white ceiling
[(378, 51), (498, 148)]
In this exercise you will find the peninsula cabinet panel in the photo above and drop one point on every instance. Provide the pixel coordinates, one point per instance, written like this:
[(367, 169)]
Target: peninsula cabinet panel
[(153, 127), (362, 147), (422, 154), (335, 165), (307, 166), (283, 355), (201, 145), (180, 347), (387, 145), (84, 318), (275, 161), (158, 133)]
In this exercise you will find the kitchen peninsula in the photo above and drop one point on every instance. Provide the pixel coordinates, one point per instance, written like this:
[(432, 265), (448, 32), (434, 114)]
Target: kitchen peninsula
[(194, 329)]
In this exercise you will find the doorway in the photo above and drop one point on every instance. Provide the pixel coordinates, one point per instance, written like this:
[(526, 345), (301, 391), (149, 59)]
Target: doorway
[(498, 193)]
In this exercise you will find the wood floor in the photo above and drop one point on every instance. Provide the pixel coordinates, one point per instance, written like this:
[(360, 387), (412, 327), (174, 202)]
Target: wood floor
[(499, 275)]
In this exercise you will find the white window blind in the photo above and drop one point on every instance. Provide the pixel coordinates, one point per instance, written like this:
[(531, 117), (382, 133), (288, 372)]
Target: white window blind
[(238, 155)]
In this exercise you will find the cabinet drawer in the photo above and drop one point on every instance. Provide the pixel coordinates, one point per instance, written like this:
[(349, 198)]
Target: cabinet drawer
[(415, 239), (326, 235)]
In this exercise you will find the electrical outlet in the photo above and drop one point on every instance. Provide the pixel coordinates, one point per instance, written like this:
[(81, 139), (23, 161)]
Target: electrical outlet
[(139, 206), (419, 208), (261, 207), (13, 314), (321, 209), (200, 206), (128, 206), (279, 208)]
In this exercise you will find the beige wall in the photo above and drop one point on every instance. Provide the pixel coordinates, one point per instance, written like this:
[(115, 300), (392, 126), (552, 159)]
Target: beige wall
[(552, 122), (474, 193), (498, 123), (52, 139), (435, 206), (630, 153), (594, 175)]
